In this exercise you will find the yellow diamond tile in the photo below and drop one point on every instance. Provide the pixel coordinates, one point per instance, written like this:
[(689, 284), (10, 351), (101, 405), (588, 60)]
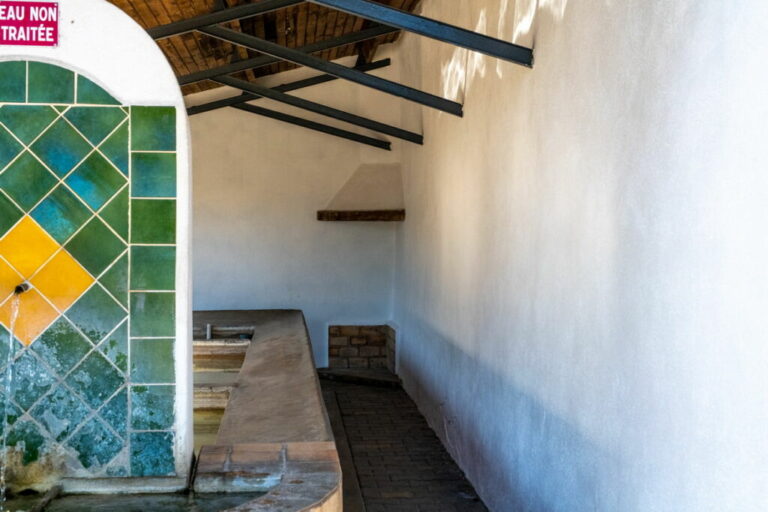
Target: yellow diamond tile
[(62, 280), (35, 315), (27, 246), (9, 279)]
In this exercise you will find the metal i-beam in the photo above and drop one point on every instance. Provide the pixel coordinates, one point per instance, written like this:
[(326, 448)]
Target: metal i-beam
[(321, 109), (312, 125), (434, 29), (334, 69), (265, 60), (291, 86), (222, 16)]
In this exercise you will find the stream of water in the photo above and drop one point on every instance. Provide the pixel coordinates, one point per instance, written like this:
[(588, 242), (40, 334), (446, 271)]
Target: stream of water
[(8, 389)]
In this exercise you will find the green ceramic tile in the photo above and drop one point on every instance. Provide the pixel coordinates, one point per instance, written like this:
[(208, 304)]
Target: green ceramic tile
[(95, 247), (115, 347), (153, 268), (4, 334), (13, 412), (116, 148), (152, 361), (153, 314), (9, 148), (61, 346), (27, 437), (26, 181), (31, 379), (61, 214), (152, 454), (115, 413), (153, 175), (50, 84), (27, 121), (13, 81), (95, 444), (96, 181), (115, 280), (61, 147), (116, 213), (153, 128), (153, 221), (152, 407), (9, 214), (95, 380), (60, 412), (90, 93), (96, 314), (95, 122)]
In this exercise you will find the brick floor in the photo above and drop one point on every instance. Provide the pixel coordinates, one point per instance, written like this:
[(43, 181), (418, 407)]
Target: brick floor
[(401, 464)]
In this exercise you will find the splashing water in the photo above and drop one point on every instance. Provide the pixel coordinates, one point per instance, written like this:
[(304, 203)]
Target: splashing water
[(8, 381)]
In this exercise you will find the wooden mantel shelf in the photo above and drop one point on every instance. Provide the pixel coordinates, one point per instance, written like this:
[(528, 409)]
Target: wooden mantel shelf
[(361, 215)]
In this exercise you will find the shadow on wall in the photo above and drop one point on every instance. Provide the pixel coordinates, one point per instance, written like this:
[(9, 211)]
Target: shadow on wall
[(527, 454)]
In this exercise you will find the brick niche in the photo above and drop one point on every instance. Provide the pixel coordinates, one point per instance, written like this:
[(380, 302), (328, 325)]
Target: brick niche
[(362, 346)]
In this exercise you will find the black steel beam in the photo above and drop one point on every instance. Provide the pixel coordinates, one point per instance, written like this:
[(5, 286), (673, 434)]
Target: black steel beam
[(434, 29), (312, 125), (291, 86), (266, 60), (318, 108), (222, 16), (331, 68)]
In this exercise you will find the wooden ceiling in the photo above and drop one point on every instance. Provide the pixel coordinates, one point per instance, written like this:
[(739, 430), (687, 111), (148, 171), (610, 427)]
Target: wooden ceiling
[(292, 27)]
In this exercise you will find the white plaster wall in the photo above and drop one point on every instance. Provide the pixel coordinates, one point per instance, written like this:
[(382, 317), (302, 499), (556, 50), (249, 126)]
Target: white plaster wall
[(582, 279)]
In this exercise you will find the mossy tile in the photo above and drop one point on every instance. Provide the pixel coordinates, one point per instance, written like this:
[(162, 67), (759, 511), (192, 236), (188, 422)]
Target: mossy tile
[(96, 314), (50, 84), (95, 445), (116, 213), (95, 380), (153, 314), (115, 347), (153, 268), (96, 181), (153, 175), (116, 148), (90, 93), (95, 247), (9, 148), (152, 407), (152, 361), (61, 214), (153, 221), (26, 181), (13, 81), (25, 436), (27, 121), (61, 148), (95, 122), (115, 413), (60, 412), (9, 214), (152, 454), (31, 380), (115, 280), (153, 128), (61, 346)]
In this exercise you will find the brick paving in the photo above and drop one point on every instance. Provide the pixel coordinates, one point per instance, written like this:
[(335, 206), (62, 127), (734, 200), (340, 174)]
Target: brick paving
[(401, 465)]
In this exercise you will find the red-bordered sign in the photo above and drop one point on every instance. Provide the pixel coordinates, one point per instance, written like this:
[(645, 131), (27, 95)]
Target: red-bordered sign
[(29, 23)]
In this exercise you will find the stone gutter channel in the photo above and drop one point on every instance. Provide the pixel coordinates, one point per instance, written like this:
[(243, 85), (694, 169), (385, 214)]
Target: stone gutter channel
[(275, 435)]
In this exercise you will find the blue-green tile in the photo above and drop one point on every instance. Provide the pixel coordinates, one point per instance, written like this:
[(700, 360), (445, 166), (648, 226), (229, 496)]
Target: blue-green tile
[(152, 407), (61, 147), (152, 361), (4, 335), (95, 380), (9, 214), (90, 93), (61, 346), (96, 181), (153, 268), (115, 213), (50, 84), (61, 214), (95, 122), (153, 175), (96, 314), (31, 380), (13, 412), (26, 181), (95, 444), (9, 147), (60, 412), (115, 347), (95, 247), (152, 454), (153, 128), (115, 280), (115, 413), (13, 81), (116, 148), (153, 314), (26, 437), (27, 121), (153, 221)]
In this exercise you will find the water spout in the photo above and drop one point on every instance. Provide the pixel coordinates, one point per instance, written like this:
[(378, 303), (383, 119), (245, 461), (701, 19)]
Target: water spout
[(23, 287)]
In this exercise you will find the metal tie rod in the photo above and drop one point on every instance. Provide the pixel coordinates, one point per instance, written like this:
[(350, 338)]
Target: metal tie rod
[(334, 69), (433, 29)]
